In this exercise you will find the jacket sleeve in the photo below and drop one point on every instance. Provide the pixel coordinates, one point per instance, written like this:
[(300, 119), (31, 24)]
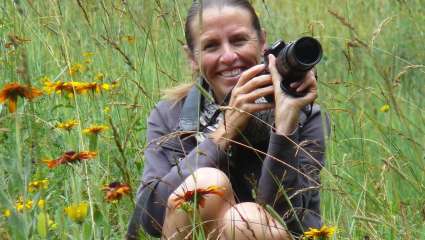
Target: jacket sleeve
[(289, 180), (163, 173)]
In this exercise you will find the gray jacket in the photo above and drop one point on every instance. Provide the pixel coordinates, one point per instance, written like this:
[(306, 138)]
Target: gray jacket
[(291, 186)]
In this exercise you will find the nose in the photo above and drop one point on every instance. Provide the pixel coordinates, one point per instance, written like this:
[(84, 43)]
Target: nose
[(228, 55)]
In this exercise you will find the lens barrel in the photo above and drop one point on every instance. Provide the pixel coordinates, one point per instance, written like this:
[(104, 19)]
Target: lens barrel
[(295, 60)]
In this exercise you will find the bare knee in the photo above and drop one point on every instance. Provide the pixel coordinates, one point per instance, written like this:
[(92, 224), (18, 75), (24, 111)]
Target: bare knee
[(214, 207), (250, 220), (203, 178)]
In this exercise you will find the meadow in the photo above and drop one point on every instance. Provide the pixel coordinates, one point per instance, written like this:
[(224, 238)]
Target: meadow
[(111, 61)]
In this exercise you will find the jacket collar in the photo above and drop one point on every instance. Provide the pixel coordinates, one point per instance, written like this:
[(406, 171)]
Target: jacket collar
[(189, 117)]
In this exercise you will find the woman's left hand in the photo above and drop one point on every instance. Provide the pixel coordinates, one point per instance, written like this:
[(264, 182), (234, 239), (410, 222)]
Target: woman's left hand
[(287, 108)]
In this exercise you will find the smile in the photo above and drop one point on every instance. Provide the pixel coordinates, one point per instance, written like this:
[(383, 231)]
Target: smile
[(231, 73)]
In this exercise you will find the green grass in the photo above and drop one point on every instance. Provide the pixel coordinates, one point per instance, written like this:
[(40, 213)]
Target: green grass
[(373, 55)]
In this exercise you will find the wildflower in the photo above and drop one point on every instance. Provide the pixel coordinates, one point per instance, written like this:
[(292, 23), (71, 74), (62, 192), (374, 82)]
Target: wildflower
[(129, 39), (67, 125), (37, 185), (11, 91), (385, 108), (92, 86), (41, 203), (52, 225), (21, 206), (324, 232), (7, 213), (106, 109), (59, 87), (88, 61), (77, 212), (70, 157), (115, 191), (197, 196), (95, 129), (44, 79), (99, 76), (76, 68), (88, 54)]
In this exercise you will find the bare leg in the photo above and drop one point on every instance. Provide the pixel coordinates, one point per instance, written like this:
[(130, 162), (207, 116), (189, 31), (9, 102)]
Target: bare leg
[(177, 224), (250, 221)]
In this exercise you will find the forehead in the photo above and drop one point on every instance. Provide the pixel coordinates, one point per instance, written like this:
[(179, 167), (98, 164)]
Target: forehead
[(219, 20)]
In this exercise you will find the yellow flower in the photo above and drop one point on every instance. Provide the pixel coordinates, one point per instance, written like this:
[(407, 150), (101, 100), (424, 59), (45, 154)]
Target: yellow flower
[(385, 108), (129, 39), (324, 232), (99, 76), (37, 185), (21, 206), (7, 213), (59, 87), (67, 125), (76, 68), (88, 54), (95, 129), (52, 225), (44, 79), (77, 212), (41, 203), (106, 109)]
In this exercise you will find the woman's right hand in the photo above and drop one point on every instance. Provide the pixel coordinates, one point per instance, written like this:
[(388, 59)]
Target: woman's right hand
[(250, 87)]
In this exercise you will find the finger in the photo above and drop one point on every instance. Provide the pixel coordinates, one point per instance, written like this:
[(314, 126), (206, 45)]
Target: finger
[(257, 107), (276, 78), (248, 98), (258, 93), (256, 82), (295, 84), (249, 74), (308, 83)]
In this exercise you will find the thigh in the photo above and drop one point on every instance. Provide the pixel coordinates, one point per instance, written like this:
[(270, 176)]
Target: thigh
[(251, 221)]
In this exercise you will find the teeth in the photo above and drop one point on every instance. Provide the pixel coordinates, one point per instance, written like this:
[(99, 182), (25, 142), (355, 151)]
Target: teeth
[(232, 73)]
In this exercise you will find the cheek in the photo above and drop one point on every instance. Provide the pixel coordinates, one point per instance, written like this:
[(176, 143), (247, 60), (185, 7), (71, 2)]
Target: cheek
[(208, 63)]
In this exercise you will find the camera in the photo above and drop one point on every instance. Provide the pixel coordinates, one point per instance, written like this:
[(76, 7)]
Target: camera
[(293, 61)]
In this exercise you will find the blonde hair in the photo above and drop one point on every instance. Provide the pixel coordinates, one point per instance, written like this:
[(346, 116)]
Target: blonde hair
[(178, 92)]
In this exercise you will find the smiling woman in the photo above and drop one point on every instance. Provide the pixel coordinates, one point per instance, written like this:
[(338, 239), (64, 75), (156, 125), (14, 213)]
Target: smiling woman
[(196, 144), (226, 46)]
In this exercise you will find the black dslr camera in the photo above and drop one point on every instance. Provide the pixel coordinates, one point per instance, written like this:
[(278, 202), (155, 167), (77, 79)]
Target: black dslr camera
[(294, 60)]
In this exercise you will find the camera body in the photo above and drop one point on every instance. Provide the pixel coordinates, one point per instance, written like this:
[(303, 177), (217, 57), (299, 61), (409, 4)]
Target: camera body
[(294, 60)]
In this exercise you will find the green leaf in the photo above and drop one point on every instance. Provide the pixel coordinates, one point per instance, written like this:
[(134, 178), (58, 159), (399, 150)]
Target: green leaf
[(42, 222)]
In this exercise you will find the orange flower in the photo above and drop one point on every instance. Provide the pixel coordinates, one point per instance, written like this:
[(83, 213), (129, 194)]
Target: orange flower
[(11, 91), (197, 196), (116, 190), (70, 157), (94, 87), (60, 87), (95, 129)]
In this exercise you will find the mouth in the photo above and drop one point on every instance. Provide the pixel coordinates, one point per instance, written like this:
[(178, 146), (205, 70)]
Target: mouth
[(233, 73)]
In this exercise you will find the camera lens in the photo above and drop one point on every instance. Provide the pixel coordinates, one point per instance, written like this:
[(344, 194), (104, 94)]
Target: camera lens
[(307, 51)]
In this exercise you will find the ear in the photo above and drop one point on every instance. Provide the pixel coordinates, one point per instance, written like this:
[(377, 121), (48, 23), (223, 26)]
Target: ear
[(191, 57), (263, 40)]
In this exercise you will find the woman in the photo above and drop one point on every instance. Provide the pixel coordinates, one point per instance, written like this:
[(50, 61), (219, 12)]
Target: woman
[(194, 145)]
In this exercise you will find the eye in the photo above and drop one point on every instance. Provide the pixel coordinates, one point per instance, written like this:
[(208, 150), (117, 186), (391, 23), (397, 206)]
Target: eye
[(239, 41), (209, 46)]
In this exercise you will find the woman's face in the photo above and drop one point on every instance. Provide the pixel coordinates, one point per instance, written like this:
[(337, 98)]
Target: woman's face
[(225, 46)]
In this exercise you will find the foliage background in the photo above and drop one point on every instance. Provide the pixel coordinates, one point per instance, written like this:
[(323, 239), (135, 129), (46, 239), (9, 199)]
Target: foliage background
[(374, 55)]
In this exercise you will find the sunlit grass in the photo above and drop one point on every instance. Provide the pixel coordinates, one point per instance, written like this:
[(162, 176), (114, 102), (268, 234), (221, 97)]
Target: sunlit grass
[(370, 80)]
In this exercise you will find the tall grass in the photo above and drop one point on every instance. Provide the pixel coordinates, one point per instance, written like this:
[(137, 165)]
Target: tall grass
[(374, 56)]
